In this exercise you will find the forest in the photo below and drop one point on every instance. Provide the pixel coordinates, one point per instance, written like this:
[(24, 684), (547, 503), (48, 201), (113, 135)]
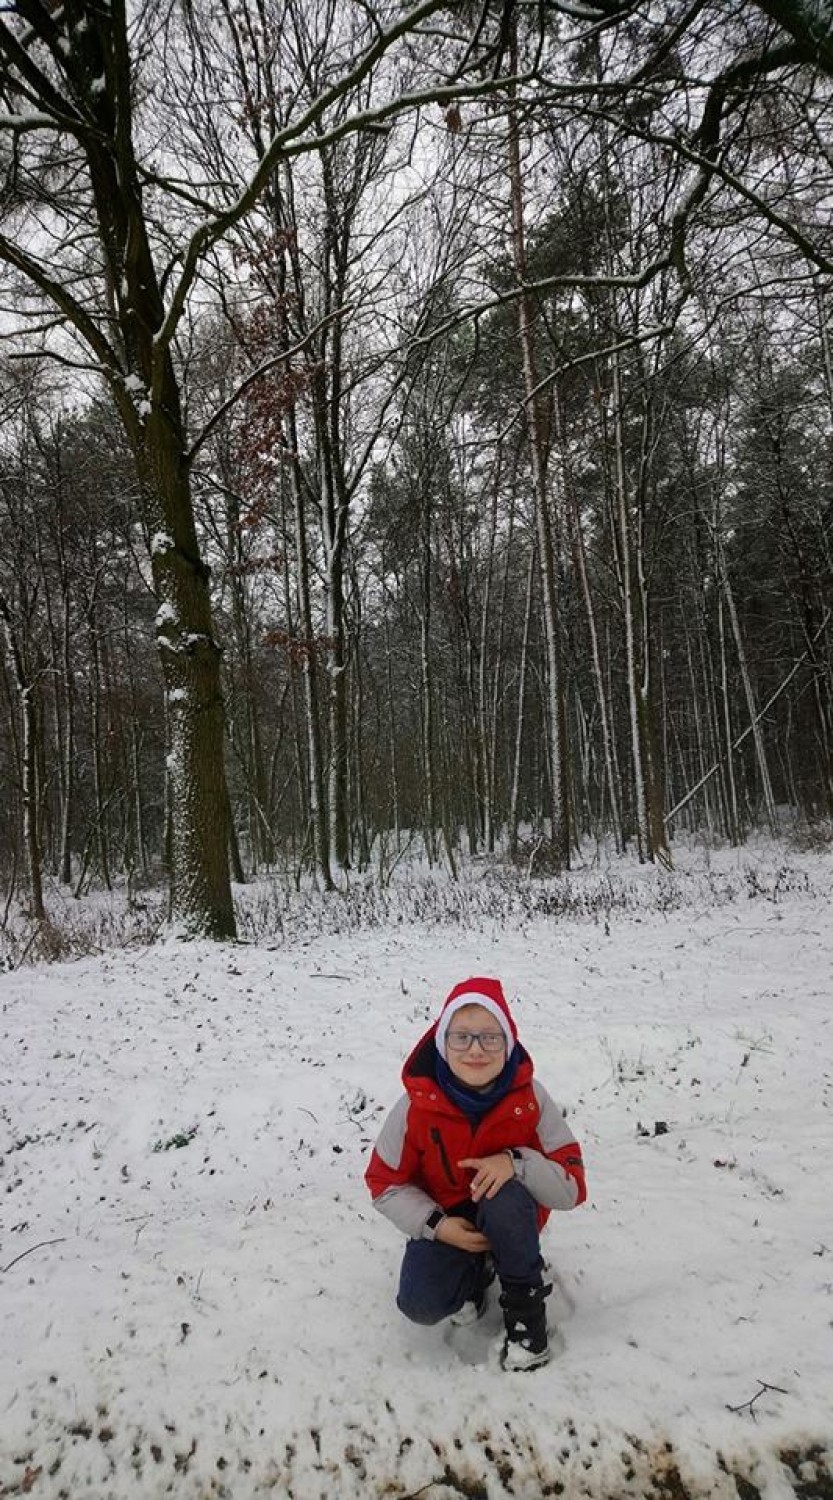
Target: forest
[(416, 433)]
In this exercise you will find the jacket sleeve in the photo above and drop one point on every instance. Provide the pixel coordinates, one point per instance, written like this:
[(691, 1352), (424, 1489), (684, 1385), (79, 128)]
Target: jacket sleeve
[(390, 1174), (555, 1174)]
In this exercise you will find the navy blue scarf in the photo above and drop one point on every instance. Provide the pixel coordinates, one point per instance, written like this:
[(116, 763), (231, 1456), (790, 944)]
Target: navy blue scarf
[(475, 1103)]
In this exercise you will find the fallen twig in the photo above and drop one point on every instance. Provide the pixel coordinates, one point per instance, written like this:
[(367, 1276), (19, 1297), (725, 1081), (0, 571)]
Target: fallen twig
[(751, 1402), (22, 1256)]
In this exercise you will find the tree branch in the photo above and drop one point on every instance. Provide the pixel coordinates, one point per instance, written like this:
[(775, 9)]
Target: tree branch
[(583, 359), (546, 284), (255, 375), (58, 294)]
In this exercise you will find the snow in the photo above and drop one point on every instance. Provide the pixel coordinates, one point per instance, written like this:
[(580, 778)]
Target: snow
[(188, 1125), (165, 615), (27, 120), (133, 384), (161, 542)]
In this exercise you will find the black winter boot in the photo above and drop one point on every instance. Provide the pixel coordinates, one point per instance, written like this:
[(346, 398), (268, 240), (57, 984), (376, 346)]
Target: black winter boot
[(526, 1345)]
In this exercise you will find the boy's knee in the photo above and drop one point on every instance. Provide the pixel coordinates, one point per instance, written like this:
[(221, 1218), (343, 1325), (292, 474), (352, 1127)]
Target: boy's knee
[(434, 1281), (512, 1201), (419, 1310)]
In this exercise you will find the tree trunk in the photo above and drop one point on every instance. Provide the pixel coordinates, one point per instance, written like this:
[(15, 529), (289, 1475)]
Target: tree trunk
[(309, 665), (391, 717), (68, 776), (149, 403), (102, 842), (236, 863), (702, 756), (190, 655), (497, 681), (580, 564), (485, 701), (302, 773), (749, 694), (736, 833), (521, 712), (428, 771), (30, 800), (28, 762), (536, 427)]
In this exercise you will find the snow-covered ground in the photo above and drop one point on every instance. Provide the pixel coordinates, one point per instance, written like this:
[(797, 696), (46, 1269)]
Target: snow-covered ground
[(197, 1298)]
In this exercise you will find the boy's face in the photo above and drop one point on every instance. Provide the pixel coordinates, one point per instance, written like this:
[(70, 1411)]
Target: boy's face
[(475, 1067)]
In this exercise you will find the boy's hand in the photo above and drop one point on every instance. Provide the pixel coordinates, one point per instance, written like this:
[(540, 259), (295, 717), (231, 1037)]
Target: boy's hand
[(490, 1173), (461, 1234)]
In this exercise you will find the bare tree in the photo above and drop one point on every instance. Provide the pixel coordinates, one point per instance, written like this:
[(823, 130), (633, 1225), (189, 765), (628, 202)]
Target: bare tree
[(123, 239)]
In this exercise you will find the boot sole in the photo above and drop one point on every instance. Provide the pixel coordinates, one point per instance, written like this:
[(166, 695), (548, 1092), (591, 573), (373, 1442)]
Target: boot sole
[(535, 1362)]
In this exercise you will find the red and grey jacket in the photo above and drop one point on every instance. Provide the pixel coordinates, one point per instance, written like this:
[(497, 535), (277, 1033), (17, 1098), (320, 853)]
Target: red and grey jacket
[(414, 1168)]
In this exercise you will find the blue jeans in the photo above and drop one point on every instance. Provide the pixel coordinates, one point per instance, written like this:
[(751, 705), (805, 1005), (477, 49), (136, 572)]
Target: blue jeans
[(436, 1279)]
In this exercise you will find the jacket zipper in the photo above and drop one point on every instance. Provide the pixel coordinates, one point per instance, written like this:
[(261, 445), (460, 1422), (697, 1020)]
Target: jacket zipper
[(438, 1142)]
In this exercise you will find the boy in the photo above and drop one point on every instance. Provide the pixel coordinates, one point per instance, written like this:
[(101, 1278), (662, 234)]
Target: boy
[(469, 1164)]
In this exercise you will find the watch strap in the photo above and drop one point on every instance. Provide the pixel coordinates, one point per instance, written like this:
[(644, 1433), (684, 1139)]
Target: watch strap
[(432, 1223)]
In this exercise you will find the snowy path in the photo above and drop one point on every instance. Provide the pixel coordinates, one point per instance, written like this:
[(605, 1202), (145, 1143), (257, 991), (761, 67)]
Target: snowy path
[(215, 1316)]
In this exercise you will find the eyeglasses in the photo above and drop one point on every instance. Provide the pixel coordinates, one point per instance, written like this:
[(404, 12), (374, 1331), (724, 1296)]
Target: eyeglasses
[(461, 1041)]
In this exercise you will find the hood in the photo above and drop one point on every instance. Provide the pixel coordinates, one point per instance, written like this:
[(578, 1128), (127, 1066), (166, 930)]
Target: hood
[(421, 1061)]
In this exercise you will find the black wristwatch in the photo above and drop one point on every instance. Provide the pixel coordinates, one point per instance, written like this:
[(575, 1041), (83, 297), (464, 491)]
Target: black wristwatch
[(517, 1159), (432, 1223)]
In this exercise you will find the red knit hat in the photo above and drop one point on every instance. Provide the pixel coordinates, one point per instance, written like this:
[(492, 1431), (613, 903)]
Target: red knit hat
[(480, 991)]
